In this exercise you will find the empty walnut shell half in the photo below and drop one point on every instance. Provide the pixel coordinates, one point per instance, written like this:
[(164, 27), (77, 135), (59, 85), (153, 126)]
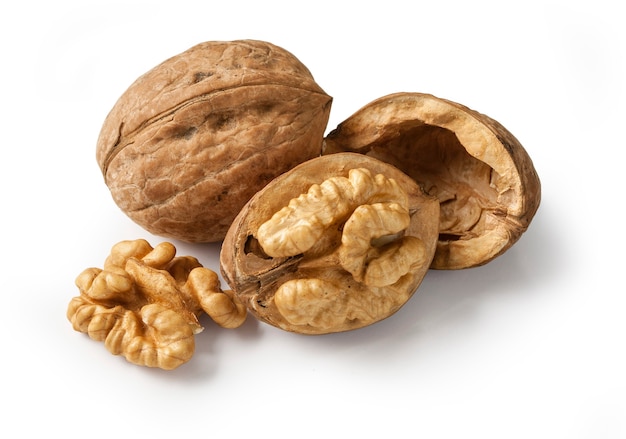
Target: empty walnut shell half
[(191, 140), (337, 243), (484, 179)]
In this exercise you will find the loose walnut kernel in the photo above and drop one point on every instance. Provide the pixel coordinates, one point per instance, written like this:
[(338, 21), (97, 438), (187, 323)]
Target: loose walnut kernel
[(145, 303), (338, 243)]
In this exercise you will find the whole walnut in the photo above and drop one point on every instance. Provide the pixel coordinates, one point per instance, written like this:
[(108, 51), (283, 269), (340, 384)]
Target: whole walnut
[(482, 176), (337, 243), (191, 140)]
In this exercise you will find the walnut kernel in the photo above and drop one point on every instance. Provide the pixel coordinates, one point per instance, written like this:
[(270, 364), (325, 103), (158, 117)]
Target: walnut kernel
[(337, 243), (144, 304)]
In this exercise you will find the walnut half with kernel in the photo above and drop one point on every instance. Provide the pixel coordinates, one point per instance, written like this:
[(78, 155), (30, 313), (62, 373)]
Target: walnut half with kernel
[(338, 243), (191, 140)]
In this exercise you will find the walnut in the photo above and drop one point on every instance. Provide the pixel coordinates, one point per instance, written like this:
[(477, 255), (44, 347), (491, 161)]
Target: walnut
[(484, 179), (337, 243), (145, 303), (191, 140)]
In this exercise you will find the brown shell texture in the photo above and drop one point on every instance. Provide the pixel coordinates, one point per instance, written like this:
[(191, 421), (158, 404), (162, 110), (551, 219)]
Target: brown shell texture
[(255, 277), (483, 177), (190, 141)]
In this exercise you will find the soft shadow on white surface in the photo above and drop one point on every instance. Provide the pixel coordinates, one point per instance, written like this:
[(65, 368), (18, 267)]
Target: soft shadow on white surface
[(455, 298), (446, 306), (450, 312), (208, 358)]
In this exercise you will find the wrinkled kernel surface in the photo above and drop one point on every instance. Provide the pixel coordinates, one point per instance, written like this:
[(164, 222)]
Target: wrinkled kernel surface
[(144, 304), (371, 211)]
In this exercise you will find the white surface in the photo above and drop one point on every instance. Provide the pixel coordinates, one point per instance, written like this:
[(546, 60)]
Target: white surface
[(530, 346)]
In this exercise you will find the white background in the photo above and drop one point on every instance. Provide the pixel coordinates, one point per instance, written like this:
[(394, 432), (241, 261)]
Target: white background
[(531, 345)]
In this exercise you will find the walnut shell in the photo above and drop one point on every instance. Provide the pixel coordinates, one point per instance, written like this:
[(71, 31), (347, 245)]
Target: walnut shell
[(324, 212), (191, 140), (484, 179)]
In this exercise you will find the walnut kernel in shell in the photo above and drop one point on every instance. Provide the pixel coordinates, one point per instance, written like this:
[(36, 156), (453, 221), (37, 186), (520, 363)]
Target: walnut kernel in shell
[(484, 179), (191, 140), (337, 243)]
